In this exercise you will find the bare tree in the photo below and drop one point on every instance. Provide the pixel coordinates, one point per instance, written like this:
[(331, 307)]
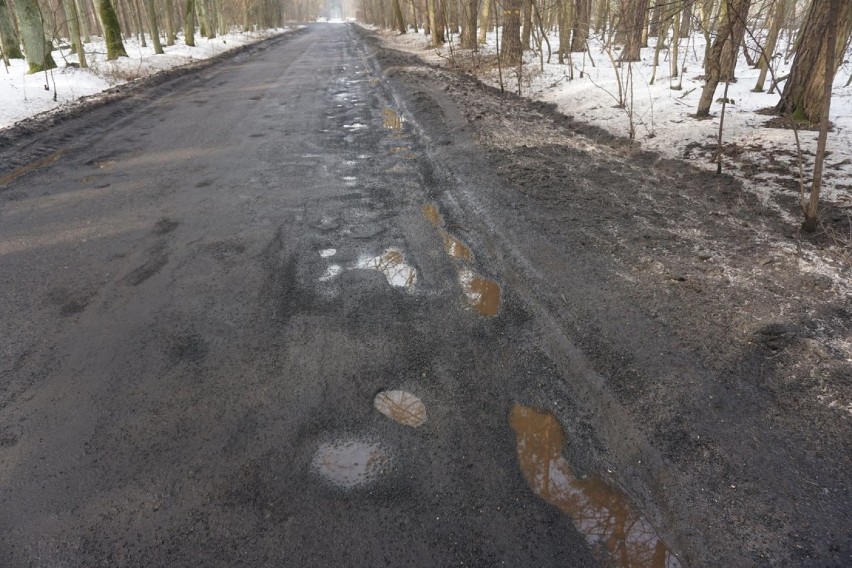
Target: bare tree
[(32, 25), (9, 41), (633, 13), (111, 29), (812, 209), (804, 92), (512, 49), (779, 13), (737, 10)]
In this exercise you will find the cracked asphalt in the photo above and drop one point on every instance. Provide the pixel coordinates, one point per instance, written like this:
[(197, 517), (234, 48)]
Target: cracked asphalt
[(190, 312), (318, 303)]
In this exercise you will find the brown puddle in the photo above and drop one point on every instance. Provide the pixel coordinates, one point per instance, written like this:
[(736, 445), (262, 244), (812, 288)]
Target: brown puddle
[(392, 120), (392, 264), (483, 294), (32, 166), (600, 511), (432, 215), (455, 248), (402, 407)]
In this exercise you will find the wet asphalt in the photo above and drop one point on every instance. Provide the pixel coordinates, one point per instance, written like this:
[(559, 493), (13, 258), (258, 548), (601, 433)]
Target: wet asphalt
[(205, 287)]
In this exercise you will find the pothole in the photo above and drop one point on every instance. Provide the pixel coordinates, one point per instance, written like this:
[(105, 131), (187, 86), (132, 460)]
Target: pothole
[(331, 272), (350, 463), (392, 120), (455, 248), (326, 253), (483, 294), (430, 211), (600, 512), (392, 264), (401, 406)]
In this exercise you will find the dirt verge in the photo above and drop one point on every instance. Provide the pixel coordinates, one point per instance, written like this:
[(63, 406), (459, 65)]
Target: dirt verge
[(724, 333)]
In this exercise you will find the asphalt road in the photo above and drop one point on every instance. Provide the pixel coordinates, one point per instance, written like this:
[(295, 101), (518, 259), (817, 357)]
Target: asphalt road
[(205, 286), (318, 303)]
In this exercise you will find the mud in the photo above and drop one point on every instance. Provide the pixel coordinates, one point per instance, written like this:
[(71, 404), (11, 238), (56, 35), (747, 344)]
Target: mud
[(692, 362), (670, 282), (604, 515)]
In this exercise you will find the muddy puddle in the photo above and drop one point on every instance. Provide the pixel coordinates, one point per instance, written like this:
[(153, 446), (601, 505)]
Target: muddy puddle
[(455, 248), (601, 513), (402, 407), (392, 264), (430, 211), (350, 463), (481, 293), (391, 119)]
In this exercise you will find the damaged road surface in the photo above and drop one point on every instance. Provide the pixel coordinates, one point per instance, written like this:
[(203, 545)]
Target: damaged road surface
[(292, 310)]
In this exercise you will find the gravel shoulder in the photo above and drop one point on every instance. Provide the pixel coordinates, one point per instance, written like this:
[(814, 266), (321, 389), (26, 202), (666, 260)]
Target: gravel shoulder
[(705, 341)]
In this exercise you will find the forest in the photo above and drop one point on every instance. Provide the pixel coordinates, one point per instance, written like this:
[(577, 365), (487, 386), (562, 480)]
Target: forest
[(813, 36)]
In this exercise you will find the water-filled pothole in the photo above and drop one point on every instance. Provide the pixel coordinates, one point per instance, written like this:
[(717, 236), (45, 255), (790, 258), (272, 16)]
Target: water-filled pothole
[(430, 211), (483, 294), (601, 512), (392, 264), (349, 463), (401, 406), (331, 272), (392, 120), (455, 248)]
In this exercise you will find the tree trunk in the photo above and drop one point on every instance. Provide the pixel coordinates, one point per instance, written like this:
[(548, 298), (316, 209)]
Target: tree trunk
[(601, 15), (484, 18), (397, 17), (471, 9), (778, 14), (74, 30), (580, 25), (31, 27), (804, 92), (189, 23), (630, 30), (140, 29), (732, 47), (436, 25), (656, 18), (831, 41), (565, 10), (170, 22), (713, 66), (220, 17), (111, 29), (677, 24), (9, 41), (204, 13), (526, 29), (83, 19), (153, 26), (511, 48)]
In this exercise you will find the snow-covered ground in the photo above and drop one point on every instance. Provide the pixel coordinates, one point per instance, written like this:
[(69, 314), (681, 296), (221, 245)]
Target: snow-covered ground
[(25, 95), (661, 115)]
